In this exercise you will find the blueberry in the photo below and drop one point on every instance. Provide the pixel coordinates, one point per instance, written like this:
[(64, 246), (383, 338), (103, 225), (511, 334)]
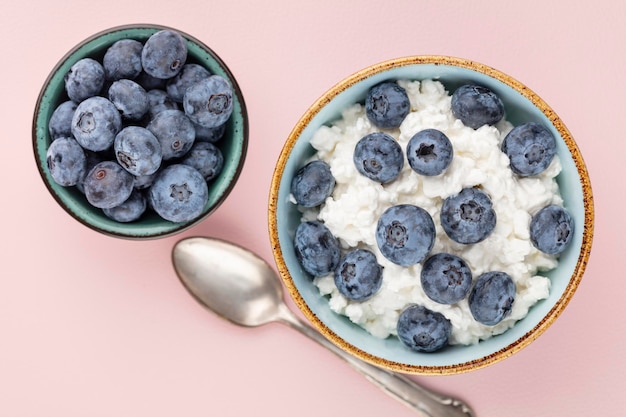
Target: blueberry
[(95, 123), (530, 148), (159, 100), (85, 79), (209, 134), (476, 106), (316, 249), (148, 82), (137, 150), (492, 297), (123, 60), (179, 193), (206, 158), (143, 182), (378, 157), (130, 210), (66, 161), (209, 102), (358, 276), (405, 234), (429, 152), (422, 329), (108, 185), (92, 159), (188, 75), (312, 184), (446, 278), (174, 131), (386, 105), (164, 54), (551, 229), (129, 98), (468, 217), (60, 124)]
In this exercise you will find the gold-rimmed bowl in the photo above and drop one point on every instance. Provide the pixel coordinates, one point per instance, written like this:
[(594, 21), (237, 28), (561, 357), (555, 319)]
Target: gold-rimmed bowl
[(522, 105), (233, 144)]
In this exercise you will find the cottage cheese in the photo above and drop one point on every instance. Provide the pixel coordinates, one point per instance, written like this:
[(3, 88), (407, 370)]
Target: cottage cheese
[(352, 212)]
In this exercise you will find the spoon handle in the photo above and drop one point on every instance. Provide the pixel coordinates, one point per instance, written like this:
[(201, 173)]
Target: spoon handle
[(425, 402)]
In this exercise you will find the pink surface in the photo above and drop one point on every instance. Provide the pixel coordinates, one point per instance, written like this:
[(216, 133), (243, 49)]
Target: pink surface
[(95, 326)]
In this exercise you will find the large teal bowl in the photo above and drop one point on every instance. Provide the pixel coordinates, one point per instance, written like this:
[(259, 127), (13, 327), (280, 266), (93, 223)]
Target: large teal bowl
[(233, 145), (521, 105)]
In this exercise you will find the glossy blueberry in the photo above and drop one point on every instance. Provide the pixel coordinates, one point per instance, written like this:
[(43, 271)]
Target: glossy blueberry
[(95, 123), (316, 249), (530, 148), (108, 185), (129, 98), (209, 134), (122, 60), (551, 229), (159, 100), (188, 75), (405, 234), (130, 210), (446, 278), (206, 158), (164, 54), (476, 106), (179, 193), (137, 150), (492, 297), (209, 102), (386, 105), (378, 157), (66, 161), (422, 329), (85, 79), (60, 124), (429, 152), (174, 131), (358, 276), (468, 217), (312, 184)]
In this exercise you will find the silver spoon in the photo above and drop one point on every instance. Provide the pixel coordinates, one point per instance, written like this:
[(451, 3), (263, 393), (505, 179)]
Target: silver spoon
[(241, 287)]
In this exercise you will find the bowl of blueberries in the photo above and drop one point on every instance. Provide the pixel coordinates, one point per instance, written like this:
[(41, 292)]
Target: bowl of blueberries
[(140, 131), (431, 215)]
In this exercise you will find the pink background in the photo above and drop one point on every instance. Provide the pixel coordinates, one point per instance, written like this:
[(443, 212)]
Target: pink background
[(95, 326)]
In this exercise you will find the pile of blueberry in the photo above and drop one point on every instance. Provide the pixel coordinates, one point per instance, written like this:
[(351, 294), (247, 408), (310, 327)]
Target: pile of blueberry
[(405, 233), (139, 128)]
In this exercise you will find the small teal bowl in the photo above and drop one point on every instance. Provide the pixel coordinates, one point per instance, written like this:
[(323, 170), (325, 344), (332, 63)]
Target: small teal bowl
[(522, 105), (233, 145)]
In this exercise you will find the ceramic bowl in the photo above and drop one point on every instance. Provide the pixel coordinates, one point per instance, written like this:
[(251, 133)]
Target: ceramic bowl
[(233, 144), (521, 105)]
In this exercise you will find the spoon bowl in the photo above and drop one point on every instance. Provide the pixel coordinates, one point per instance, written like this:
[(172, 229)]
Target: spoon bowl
[(242, 288), (231, 281)]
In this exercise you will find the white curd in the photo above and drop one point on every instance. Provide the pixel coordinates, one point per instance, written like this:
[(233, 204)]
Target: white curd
[(352, 212)]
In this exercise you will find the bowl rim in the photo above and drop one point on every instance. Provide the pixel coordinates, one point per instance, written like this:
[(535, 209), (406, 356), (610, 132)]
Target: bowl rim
[(176, 227), (524, 340)]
